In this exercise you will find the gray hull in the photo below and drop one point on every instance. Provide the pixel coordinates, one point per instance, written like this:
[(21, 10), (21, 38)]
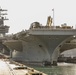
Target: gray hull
[(40, 45)]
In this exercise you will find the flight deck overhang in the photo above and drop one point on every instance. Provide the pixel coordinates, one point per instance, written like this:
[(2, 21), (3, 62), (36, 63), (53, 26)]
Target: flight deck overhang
[(52, 31)]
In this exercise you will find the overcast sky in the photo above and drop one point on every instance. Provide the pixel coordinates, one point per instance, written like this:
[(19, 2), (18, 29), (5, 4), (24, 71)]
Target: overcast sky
[(22, 13)]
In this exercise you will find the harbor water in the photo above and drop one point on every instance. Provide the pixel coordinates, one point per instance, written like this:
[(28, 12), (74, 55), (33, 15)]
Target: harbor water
[(61, 69)]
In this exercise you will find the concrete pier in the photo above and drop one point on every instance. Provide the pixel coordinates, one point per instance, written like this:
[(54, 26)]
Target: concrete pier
[(13, 68)]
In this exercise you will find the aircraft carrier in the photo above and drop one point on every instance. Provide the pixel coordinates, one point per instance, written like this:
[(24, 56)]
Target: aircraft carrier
[(40, 44)]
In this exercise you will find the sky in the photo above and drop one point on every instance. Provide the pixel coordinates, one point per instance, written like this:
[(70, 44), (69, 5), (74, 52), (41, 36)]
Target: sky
[(22, 13)]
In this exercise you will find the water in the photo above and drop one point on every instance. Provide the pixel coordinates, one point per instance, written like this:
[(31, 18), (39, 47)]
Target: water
[(61, 69)]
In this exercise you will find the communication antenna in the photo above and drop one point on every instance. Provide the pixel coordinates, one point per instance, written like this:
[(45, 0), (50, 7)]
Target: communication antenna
[(53, 16), (1, 10)]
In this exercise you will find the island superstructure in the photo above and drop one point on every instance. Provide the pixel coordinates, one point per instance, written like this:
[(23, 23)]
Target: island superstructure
[(40, 44), (3, 28)]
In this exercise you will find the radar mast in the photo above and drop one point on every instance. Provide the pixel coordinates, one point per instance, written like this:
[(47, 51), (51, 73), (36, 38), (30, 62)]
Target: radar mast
[(3, 28)]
